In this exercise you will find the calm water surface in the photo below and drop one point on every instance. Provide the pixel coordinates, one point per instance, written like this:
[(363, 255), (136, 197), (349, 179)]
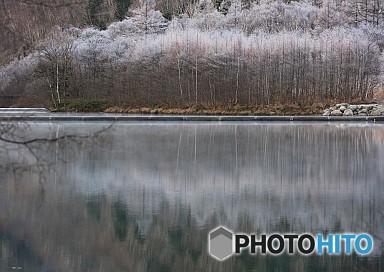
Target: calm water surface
[(143, 196)]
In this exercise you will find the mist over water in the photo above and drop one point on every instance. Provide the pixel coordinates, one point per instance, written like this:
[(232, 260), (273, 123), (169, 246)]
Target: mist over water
[(143, 196)]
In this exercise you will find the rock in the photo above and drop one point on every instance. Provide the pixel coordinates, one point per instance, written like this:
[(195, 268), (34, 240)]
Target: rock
[(363, 112), (345, 109), (348, 112), (368, 106), (336, 113), (375, 112), (327, 112)]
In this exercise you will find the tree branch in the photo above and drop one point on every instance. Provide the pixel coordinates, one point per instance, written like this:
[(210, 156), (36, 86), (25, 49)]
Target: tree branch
[(36, 140)]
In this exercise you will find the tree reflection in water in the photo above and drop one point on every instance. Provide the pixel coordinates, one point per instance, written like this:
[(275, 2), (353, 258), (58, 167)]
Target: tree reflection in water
[(143, 196)]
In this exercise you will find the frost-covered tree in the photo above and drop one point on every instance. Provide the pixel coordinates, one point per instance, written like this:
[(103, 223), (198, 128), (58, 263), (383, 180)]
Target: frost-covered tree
[(56, 54), (94, 61), (259, 54), (146, 19), (15, 75), (278, 16), (363, 11), (329, 15)]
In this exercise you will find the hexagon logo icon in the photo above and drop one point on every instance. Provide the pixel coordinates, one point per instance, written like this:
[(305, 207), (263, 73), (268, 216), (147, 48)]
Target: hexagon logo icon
[(220, 243)]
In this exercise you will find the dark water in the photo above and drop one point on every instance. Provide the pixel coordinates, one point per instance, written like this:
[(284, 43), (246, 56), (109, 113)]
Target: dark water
[(143, 196)]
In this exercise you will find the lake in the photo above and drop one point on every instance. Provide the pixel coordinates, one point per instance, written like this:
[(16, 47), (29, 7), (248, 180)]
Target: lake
[(143, 196)]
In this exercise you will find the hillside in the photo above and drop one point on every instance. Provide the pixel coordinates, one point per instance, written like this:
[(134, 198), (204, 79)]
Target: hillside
[(99, 54)]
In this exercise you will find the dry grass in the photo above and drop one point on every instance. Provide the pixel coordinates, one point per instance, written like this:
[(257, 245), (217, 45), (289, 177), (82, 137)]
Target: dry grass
[(378, 94), (278, 109)]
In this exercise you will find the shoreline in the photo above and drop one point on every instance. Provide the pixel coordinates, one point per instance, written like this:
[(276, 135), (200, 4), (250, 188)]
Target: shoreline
[(107, 117)]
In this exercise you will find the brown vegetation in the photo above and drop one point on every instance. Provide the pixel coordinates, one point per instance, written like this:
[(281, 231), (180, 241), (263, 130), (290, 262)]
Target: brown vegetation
[(278, 109), (24, 23)]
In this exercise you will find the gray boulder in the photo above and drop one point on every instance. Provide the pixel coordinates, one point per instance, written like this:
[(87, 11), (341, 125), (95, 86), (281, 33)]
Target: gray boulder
[(336, 113), (375, 112), (348, 112), (326, 112), (368, 106)]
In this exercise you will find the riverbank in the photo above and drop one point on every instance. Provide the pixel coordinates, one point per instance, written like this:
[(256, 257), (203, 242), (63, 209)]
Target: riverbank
[(271, 110), (109, 117), (295, 109), (101, 110)]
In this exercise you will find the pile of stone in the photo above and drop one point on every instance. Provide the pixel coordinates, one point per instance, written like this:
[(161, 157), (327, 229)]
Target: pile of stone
[(345, 109)]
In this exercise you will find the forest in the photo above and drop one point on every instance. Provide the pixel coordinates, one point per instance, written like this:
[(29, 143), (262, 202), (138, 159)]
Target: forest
[(181, 53)]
